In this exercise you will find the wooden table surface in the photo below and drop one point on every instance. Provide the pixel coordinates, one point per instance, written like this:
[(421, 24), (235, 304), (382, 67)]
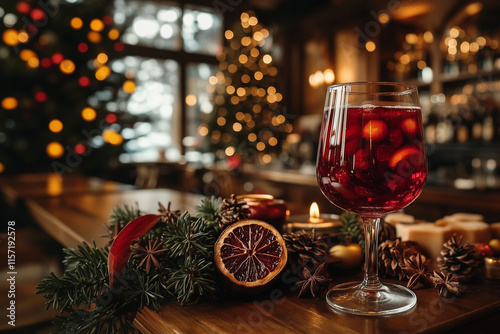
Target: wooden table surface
[(76, 217)]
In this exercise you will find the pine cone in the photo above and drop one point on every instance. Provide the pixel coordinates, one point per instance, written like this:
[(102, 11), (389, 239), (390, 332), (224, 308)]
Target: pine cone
[(386, 231), (303, 246), (392, 255), (168, 216), (232, 211), (458, 259)]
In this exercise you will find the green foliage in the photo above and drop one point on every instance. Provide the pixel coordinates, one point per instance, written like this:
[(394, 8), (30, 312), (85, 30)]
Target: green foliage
[(351, 230), (187, 274), (122, 215)]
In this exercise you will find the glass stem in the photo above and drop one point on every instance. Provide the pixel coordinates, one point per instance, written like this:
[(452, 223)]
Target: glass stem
[(371, 281)]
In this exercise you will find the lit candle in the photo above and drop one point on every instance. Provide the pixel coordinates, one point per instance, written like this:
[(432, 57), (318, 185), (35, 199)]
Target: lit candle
[(321, 223)]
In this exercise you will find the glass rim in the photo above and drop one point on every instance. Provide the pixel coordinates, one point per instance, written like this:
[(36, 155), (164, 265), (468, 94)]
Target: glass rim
[(409, 88)]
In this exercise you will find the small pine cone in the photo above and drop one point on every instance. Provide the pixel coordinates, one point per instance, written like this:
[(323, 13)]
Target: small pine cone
[(303, 246), (232, 211), (458, 259), (392, 255), (386, 232), (167, 215)]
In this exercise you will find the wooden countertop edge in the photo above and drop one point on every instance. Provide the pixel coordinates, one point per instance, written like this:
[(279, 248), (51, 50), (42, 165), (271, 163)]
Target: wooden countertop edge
[(53, 226)]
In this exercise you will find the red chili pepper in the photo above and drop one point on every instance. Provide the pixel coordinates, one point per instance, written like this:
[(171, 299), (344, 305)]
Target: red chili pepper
[(119, 252)]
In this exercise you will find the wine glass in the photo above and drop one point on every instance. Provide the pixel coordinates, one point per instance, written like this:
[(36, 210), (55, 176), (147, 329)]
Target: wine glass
[(371, 161)]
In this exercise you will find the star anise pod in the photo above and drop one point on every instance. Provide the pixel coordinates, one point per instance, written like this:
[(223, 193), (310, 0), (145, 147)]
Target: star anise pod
[(167, 215), (149, 252), (112, 232), (313, 283), (447, 284), (415, 270)]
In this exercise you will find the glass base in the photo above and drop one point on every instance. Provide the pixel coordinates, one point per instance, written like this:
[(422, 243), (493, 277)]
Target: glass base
[(354, 298)]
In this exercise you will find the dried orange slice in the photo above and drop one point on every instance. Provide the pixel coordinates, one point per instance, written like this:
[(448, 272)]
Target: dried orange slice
[(250, 254)]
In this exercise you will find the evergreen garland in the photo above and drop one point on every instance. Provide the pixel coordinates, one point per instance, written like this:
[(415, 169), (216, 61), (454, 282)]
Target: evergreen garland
[(186, 274)]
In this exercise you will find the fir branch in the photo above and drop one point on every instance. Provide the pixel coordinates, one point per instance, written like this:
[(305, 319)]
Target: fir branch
[(82, 282), (210, 209), (193, 279), (122, 215), (189, 236)]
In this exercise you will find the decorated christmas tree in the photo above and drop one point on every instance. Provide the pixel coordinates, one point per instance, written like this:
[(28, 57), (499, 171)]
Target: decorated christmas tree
[(60, 99), (248, 120)]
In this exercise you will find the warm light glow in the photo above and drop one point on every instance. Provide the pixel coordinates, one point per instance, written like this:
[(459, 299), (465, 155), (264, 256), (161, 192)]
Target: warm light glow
[(26, 54), (203, 130), (9, 103), (2, 167), (245, 41), (221, 121), (94, 37), (329, 76), (370, 46), (411, 38), (191, 100), (454, 32), (55, 126), (260, 146), (228, 34), (254, 52), (258, 75), (54, 150), (481, 41), (252, 137), (244, 17), (230, 90), (473, 8), (102, 73), (229, 151), (88, 114), (267, 59), (54, 185), (102, 58), (245, 78), (129, 86), (253, 21), (96, 25), (428, 37), (266, 158), (237, 127), (113, 34), (112, 137), (76, 23), (243, 59), (383, 18), (464, 47), (314, 210), (213, 80), (33, 62), (10, 37), (67, 66), (23, 36)]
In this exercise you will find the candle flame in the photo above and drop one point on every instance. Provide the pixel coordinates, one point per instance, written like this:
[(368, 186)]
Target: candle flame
[(314, 211)]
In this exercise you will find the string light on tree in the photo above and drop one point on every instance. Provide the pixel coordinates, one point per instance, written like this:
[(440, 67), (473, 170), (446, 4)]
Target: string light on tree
[(247, 102)]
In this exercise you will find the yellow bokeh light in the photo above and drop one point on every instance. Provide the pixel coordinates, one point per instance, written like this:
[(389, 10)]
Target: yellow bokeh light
[(55, 126), (370, 46), (267, 59), (102, 58), (9, 103), (112, 137), (26, 54), (329, 76), (258, 75), (405, 59), (113, 34), (245, 78), (23, 36), (428, 37), (244, 17), (273, 141), (243, 59), (271, 90), (258, 36), (383, 18), (229, 151), (221, 121), (76, 23), (96, 25), (2, 167), (235, 100), (33, 62), (213, 80), (266, 158), (230, 90), (203, 130), (245, 41), (253, 21), (10, 37), (102, 73), (232, 68), (237, 127), (129, 86), (54, 150), (454, 32), (260, 146), (228, 34), (67, 66), (89, 114), (94, 37), (240, 91), (254, 52), (252, 137), (191, 100)]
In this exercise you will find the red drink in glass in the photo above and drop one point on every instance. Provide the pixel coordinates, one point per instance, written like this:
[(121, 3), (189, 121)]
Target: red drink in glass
[(371, 160)]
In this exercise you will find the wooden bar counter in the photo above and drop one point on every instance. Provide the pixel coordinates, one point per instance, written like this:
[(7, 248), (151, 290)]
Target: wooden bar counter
[(77, 217)]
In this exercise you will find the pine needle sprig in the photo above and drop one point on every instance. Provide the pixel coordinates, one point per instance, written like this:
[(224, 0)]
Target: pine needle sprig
[(146, 290), (194, 279), (124, 214), (189, 235), (210, 209), (351, 231), (81, 284)]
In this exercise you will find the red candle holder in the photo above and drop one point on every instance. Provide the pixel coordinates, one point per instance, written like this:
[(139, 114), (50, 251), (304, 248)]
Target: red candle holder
[(266, 208)]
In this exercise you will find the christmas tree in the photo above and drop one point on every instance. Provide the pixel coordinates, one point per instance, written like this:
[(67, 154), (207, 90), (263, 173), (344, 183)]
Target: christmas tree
[(60, 99), (248, 120)]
